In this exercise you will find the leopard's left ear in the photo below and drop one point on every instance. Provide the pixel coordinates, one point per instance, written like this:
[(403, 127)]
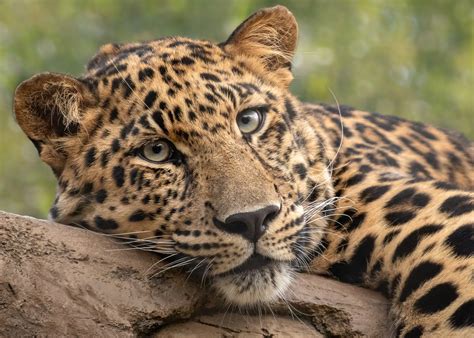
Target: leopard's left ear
[(269, 35)]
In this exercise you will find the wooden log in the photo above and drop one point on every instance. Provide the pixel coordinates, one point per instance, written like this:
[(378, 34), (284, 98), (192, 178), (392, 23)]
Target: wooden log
[(59, 280)]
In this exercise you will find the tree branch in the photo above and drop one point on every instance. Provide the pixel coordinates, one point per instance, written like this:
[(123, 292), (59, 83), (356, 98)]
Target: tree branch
[(60, 280)]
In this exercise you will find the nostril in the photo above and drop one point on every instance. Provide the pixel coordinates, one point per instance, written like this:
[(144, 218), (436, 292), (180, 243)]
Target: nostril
[(271, 216), (236, 227), (251, 225)]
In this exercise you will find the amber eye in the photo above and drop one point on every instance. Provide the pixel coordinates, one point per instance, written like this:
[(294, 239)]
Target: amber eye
[(159, 151), (250, 121)]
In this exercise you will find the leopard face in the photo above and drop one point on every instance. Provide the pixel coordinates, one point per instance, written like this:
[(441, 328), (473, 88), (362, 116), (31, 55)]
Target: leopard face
[(191, 149)]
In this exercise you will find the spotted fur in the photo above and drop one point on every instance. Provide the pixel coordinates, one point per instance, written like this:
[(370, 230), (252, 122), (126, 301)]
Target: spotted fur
[(369, 199)]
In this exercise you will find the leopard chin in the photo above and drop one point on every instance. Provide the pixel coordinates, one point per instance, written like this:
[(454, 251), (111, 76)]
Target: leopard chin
[(256, 286)]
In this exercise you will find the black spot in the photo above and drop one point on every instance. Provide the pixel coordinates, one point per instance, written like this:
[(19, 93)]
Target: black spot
[(445, 186), (365, 168), (128, 86), (87, 188), (137, 216), (300, 169), (105, 224), (353, 271), (145, 73), (177, 113), (90, 156), (210, 97), (399, 217), (356, 221), (101, 195), (118, 175), (115, 84), (419, 276), (115, 145), (210, 77), (432, 159), (372, 193), (461, 241), (342, 245), (355, 179), (421, 129), (158, 118), (290, 110), (171, 117), (416, 332), (150, 99), (420, 200), (192, 115), (185, 60), (146, 199), (389, 237), (126, 129), (409, 243), (437, 299), (400, 198), (345, 218), (113, 115), (463, 316), (237, 71), (144, 122), (104, 158), (457, 205), (416, 168)]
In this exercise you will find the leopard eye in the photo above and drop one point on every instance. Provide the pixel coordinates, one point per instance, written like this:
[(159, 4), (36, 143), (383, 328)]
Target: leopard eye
[(158, 152), (249, 121)]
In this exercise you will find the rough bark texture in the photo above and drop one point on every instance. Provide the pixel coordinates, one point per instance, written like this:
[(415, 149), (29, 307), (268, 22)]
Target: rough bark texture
[(58, 280)]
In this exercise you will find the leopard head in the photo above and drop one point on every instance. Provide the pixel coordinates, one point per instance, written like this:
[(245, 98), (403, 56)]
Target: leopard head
[(192, 149)]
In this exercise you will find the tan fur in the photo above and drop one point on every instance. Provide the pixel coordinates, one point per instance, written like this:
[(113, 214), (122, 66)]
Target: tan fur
[(335, 174)]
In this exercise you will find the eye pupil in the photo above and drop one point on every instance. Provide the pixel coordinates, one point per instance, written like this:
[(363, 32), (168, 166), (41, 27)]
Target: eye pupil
[(249, 121), (245, 119), (157, 148)]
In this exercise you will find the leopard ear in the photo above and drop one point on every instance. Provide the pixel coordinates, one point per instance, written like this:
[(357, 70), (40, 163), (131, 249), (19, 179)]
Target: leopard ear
[(269, 35), (48, 107)]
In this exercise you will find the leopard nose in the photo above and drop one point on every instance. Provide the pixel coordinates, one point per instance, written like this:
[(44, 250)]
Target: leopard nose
[(251, 225)]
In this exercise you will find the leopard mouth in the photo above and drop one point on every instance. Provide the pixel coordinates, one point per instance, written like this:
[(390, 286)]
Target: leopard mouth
[(254, 262)]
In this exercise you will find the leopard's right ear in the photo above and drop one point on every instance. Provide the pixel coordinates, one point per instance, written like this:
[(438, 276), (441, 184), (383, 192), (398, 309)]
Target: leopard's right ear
[(49, 107)]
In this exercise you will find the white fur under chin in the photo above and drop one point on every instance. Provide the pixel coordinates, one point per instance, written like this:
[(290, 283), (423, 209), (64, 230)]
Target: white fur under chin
[(255, 286)]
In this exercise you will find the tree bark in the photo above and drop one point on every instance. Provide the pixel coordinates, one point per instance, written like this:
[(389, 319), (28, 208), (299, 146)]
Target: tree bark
[(59, 280)]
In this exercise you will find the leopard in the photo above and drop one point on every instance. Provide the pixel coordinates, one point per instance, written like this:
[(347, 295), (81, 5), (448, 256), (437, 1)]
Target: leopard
[(199, 151)]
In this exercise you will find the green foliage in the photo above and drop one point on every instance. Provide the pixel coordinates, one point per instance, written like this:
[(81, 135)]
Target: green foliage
[(407, 58)]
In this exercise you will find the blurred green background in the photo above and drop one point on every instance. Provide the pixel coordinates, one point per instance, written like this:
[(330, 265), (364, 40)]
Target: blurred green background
[(408, 58)]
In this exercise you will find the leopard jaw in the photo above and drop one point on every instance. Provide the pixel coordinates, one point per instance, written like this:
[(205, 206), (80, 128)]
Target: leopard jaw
[(252, 287)]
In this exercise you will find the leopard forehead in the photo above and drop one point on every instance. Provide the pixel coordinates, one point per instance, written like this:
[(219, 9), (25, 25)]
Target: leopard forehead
[(195, 85)]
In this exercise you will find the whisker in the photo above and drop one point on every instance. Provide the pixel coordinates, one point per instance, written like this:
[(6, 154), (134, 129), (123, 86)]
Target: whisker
[(158, 262)]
